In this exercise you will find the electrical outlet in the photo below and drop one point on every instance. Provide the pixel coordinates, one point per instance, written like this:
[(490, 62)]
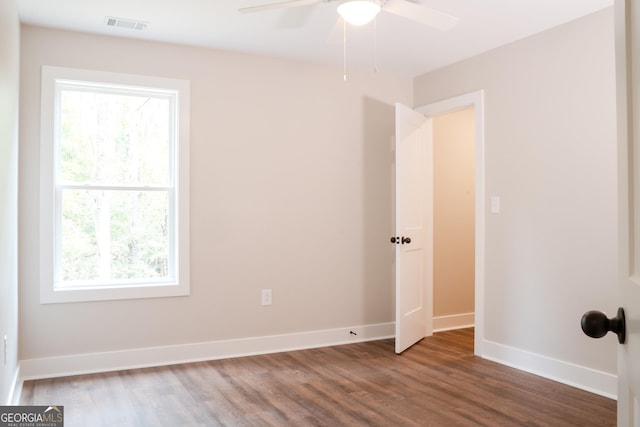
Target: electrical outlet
[(267, 297)]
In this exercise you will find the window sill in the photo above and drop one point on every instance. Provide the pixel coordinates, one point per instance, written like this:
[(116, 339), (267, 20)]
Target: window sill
[(62, 295)]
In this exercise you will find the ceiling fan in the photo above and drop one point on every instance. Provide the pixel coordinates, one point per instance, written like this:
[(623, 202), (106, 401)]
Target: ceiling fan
[(370, 8)]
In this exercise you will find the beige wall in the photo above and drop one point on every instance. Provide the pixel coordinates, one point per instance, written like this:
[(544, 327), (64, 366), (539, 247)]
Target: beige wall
[(550, 154), (9, 82), (454, 213), (290, 191)]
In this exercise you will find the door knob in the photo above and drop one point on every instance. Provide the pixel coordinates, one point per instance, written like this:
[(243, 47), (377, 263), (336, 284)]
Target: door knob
[(406, 240), (596, 325), (395, 240)]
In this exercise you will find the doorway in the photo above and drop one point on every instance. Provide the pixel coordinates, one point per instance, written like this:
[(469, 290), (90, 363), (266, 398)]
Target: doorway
[(453, 220), (475, 102)]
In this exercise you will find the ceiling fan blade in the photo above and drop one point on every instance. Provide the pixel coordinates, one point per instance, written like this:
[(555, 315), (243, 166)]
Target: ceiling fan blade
[(280, 5), (421, 14)]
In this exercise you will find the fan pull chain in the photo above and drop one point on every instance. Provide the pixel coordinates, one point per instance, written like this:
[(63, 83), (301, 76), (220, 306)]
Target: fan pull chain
[(344, 49), (375, 45)]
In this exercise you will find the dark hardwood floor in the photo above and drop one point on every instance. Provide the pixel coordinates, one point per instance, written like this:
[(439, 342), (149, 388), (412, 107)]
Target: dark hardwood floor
[(437, 382)]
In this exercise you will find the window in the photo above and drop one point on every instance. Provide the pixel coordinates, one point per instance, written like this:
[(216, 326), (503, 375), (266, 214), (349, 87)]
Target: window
[(114, 186)]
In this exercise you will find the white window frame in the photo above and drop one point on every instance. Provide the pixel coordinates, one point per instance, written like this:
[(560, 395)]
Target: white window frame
[(179, 239)]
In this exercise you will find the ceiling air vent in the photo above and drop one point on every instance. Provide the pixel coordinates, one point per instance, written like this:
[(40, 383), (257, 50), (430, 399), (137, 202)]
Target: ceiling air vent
[(129, 24)]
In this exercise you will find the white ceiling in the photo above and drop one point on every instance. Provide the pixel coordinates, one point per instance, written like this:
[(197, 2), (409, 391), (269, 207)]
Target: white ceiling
[(314, 33)]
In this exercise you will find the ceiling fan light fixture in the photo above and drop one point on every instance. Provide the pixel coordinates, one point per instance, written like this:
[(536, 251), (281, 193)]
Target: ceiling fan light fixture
[(359, 12)]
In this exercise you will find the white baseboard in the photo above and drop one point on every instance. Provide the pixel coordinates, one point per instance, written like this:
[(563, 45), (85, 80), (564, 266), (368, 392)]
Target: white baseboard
[(15, 390), (591, 380), (455, 321), (76, 364)]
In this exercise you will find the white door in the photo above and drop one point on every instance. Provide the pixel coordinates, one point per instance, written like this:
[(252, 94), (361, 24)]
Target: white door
[(414, 234), (628, 95)]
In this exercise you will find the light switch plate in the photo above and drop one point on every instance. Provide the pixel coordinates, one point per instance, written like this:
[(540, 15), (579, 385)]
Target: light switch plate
[(267, 297), (495, 204)]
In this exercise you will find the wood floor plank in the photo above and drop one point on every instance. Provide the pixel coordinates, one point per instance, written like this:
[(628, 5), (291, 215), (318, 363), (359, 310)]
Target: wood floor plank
[(437, 382)]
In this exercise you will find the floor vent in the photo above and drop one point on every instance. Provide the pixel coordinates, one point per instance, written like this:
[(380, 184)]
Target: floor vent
[(129, 24)]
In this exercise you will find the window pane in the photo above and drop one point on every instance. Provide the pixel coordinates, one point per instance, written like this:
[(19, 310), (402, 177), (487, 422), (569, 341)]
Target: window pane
[(114, 235), (114, 139)]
